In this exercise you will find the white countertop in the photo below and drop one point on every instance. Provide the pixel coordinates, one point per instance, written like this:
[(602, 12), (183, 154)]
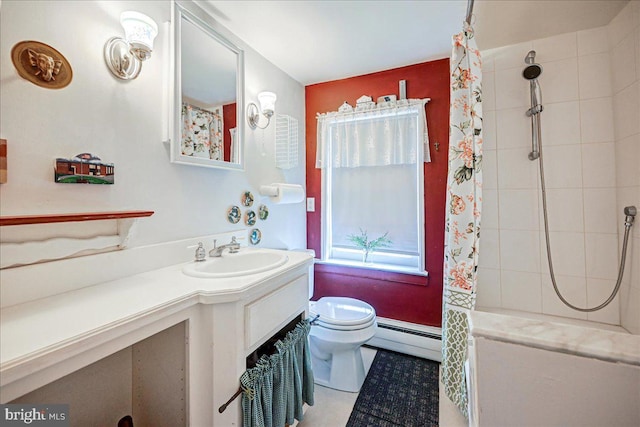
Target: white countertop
[(573, 339), (38, 327)]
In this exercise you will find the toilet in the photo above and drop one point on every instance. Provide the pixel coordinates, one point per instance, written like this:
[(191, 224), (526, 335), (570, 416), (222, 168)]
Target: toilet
[(342, 325)]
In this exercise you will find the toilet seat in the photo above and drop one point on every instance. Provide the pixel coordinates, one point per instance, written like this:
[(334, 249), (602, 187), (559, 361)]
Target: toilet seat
[(342, 313)]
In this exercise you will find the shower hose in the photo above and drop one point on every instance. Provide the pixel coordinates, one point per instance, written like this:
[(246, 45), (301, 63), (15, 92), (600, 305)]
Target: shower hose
[(630, 211)]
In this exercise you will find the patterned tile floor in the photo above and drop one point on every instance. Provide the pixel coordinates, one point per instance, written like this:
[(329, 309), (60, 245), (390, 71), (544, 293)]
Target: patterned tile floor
[(332, 408)]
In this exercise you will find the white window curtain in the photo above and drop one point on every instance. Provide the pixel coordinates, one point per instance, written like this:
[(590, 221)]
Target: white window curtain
[(374, 136), (373, 182)]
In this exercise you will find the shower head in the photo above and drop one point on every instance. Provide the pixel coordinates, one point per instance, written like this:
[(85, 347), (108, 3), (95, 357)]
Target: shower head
[(532, 70)]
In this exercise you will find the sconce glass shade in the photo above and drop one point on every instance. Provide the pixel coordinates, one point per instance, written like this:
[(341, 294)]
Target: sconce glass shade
[(124, 56), (267, 103), (267, 106), (139, 30)]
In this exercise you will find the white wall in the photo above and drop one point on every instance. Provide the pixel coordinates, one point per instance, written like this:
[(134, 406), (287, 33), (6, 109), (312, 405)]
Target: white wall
[(122, 122), (579, 136)]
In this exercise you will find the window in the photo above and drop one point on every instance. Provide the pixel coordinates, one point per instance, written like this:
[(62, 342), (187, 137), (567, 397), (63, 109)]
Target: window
[(372, 182)]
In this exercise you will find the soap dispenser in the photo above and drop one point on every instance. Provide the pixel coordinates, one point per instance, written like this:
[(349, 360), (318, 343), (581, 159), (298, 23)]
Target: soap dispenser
[(201, 254)]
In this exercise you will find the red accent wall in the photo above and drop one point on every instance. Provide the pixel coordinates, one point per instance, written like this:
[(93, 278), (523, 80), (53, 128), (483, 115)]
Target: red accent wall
[(229, 122), (397, 296)]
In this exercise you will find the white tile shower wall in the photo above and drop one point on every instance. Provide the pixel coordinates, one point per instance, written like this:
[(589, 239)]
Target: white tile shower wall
[(624, 45), (579, 159), (597, 120), (571, 288)]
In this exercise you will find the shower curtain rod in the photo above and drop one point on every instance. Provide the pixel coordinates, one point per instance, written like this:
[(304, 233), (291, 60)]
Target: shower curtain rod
[(469, 11)]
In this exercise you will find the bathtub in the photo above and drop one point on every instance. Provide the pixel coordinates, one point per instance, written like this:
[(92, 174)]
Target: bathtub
[(537, 370)]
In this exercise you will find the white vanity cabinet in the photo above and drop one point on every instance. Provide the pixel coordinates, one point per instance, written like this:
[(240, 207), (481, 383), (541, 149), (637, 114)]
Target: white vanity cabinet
[(152, 338), (257, 318)]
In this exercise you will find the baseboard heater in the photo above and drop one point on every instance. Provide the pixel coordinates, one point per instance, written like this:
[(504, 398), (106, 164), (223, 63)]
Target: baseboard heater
[(408, 338)]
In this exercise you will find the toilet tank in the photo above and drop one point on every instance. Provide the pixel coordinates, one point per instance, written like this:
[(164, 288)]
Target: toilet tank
[(313, 254)]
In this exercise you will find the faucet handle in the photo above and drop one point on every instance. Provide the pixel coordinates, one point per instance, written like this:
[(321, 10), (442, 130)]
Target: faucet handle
[(201, 255), (215, 245), (234, 246)]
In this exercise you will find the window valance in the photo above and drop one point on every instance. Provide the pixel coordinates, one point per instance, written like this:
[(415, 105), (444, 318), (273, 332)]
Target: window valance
[(389, 133)]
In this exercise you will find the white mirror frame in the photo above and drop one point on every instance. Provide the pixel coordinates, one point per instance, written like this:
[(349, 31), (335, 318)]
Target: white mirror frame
[(203, 21)]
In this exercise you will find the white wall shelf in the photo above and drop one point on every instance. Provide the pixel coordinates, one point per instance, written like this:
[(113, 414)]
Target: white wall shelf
[(71, 217), (48, 245)]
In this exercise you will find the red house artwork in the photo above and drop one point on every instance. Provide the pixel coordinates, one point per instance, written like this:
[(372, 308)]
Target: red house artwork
[(84, 168)]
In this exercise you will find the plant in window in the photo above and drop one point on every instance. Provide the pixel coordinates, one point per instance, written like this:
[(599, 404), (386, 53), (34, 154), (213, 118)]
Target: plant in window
[(362, 241)]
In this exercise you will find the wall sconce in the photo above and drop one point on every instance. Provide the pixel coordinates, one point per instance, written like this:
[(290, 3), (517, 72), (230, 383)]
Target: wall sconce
[(124, 56), (267, 105)]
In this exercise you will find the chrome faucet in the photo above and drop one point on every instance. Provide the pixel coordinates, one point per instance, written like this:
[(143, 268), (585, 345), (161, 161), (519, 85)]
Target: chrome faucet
[(233, 247)]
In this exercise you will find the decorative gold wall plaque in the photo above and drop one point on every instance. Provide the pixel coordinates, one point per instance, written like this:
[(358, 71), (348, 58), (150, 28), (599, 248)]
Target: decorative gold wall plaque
[(41, 64)]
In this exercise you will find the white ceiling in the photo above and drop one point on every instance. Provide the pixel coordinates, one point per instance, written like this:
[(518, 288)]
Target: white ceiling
[(317, 41)]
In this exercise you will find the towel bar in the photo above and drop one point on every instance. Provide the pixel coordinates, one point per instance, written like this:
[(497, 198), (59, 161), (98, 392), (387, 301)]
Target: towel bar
[(222, 408)]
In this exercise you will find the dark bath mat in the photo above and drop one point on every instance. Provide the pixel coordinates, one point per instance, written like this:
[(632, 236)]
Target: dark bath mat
[(399, 390)]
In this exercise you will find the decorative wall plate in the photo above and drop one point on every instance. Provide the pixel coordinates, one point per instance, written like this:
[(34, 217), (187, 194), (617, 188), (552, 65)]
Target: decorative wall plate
[(255, 236), (250, 218), (263, 212), (41, 64), (247, 199), (234, 214)]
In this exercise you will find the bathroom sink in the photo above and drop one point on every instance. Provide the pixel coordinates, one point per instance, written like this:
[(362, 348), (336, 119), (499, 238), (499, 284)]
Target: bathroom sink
[(239, 264)]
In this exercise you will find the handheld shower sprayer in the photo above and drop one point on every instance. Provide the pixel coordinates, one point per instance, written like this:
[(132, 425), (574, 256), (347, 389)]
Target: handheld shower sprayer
[(531, 72)]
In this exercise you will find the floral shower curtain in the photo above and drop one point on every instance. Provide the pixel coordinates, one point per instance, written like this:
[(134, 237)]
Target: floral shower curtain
[(462, 227), (202, 132)]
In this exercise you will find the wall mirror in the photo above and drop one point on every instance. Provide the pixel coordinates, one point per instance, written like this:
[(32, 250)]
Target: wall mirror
[(206, 127)]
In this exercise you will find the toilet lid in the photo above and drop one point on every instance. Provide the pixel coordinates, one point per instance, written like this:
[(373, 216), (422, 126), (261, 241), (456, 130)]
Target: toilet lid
[(342, 311)]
